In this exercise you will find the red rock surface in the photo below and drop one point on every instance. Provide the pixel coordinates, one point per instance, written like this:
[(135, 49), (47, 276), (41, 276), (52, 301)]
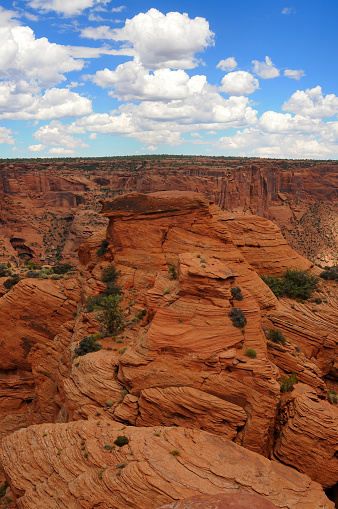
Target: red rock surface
[(183, 364), (222, 501), (67, 465)]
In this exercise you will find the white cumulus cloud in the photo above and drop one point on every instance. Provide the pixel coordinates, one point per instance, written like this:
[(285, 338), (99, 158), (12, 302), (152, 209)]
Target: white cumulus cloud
[(288, 10), (22, 101), (265, 70), (5, 136), (274, 122), (239, 83), (37, 148), (57, 134), (60, 151), (160, 40), (311, 102), (24, 57), (66, 7), (229, 64), (132, 82), (294, 74)]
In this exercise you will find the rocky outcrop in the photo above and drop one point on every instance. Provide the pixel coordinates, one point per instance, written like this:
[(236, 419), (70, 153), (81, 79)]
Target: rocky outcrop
[(308, 437), (31, 316), (78, 465), (181, 370)]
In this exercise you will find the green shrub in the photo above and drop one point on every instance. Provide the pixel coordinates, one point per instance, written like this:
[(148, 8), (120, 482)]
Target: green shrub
[(32, 274), (237, 293), (33, 266), (172, 271), (103, 249), (62, 268), (141, 314), (109, 403), (93, 302), (175, 452), (87, 344), (10, 282), (276, 336), (250, 352), (287, 382), (110, 313), (4, 270), (56, 276), (332, 397), (296, 284), (330, 273), (316, 300), (110, 274), (121, 441), (237, 317), (124, 393)]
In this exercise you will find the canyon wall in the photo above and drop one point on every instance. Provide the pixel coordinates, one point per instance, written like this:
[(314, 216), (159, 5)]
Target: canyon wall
[(48, 208)]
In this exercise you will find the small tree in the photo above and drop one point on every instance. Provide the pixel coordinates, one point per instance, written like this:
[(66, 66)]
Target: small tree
[(110, 313)]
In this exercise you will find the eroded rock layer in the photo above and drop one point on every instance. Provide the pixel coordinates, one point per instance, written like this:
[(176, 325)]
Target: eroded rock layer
[(77, 465), (182, 376)]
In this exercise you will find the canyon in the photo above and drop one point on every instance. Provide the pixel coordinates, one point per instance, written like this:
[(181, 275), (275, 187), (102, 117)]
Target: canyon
[(180, 407), (49, 207)]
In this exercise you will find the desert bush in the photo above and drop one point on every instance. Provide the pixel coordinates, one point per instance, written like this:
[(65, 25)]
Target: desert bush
[(112, 289), (10, 282), (332, 397), (103, 249), (87, 344), (32, 274), (33, 266), (276, 336), (62, 268), (93, 302), (296, 284), (172, 271), (4, 270), (110, 274), (237, 317), (141, 314), (287, 382), (250, 352), (237, 293), (330, 273), (121, 441), (56, 276)]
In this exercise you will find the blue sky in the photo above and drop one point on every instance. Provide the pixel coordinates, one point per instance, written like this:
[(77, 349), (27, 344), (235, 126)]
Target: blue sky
[(101, 78)]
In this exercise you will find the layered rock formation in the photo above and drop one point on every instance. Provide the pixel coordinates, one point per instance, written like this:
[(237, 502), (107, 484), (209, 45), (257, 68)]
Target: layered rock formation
[(197, 397), (49, 208), (77, 465)]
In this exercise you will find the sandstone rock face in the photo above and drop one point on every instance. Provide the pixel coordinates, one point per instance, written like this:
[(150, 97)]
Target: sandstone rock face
[(74, 465), (222, 501), (31, 315), (180, 371), (313, 423)]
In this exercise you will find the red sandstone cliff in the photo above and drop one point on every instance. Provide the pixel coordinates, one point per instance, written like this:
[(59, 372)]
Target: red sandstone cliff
[(177, 380), (49, 208)]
